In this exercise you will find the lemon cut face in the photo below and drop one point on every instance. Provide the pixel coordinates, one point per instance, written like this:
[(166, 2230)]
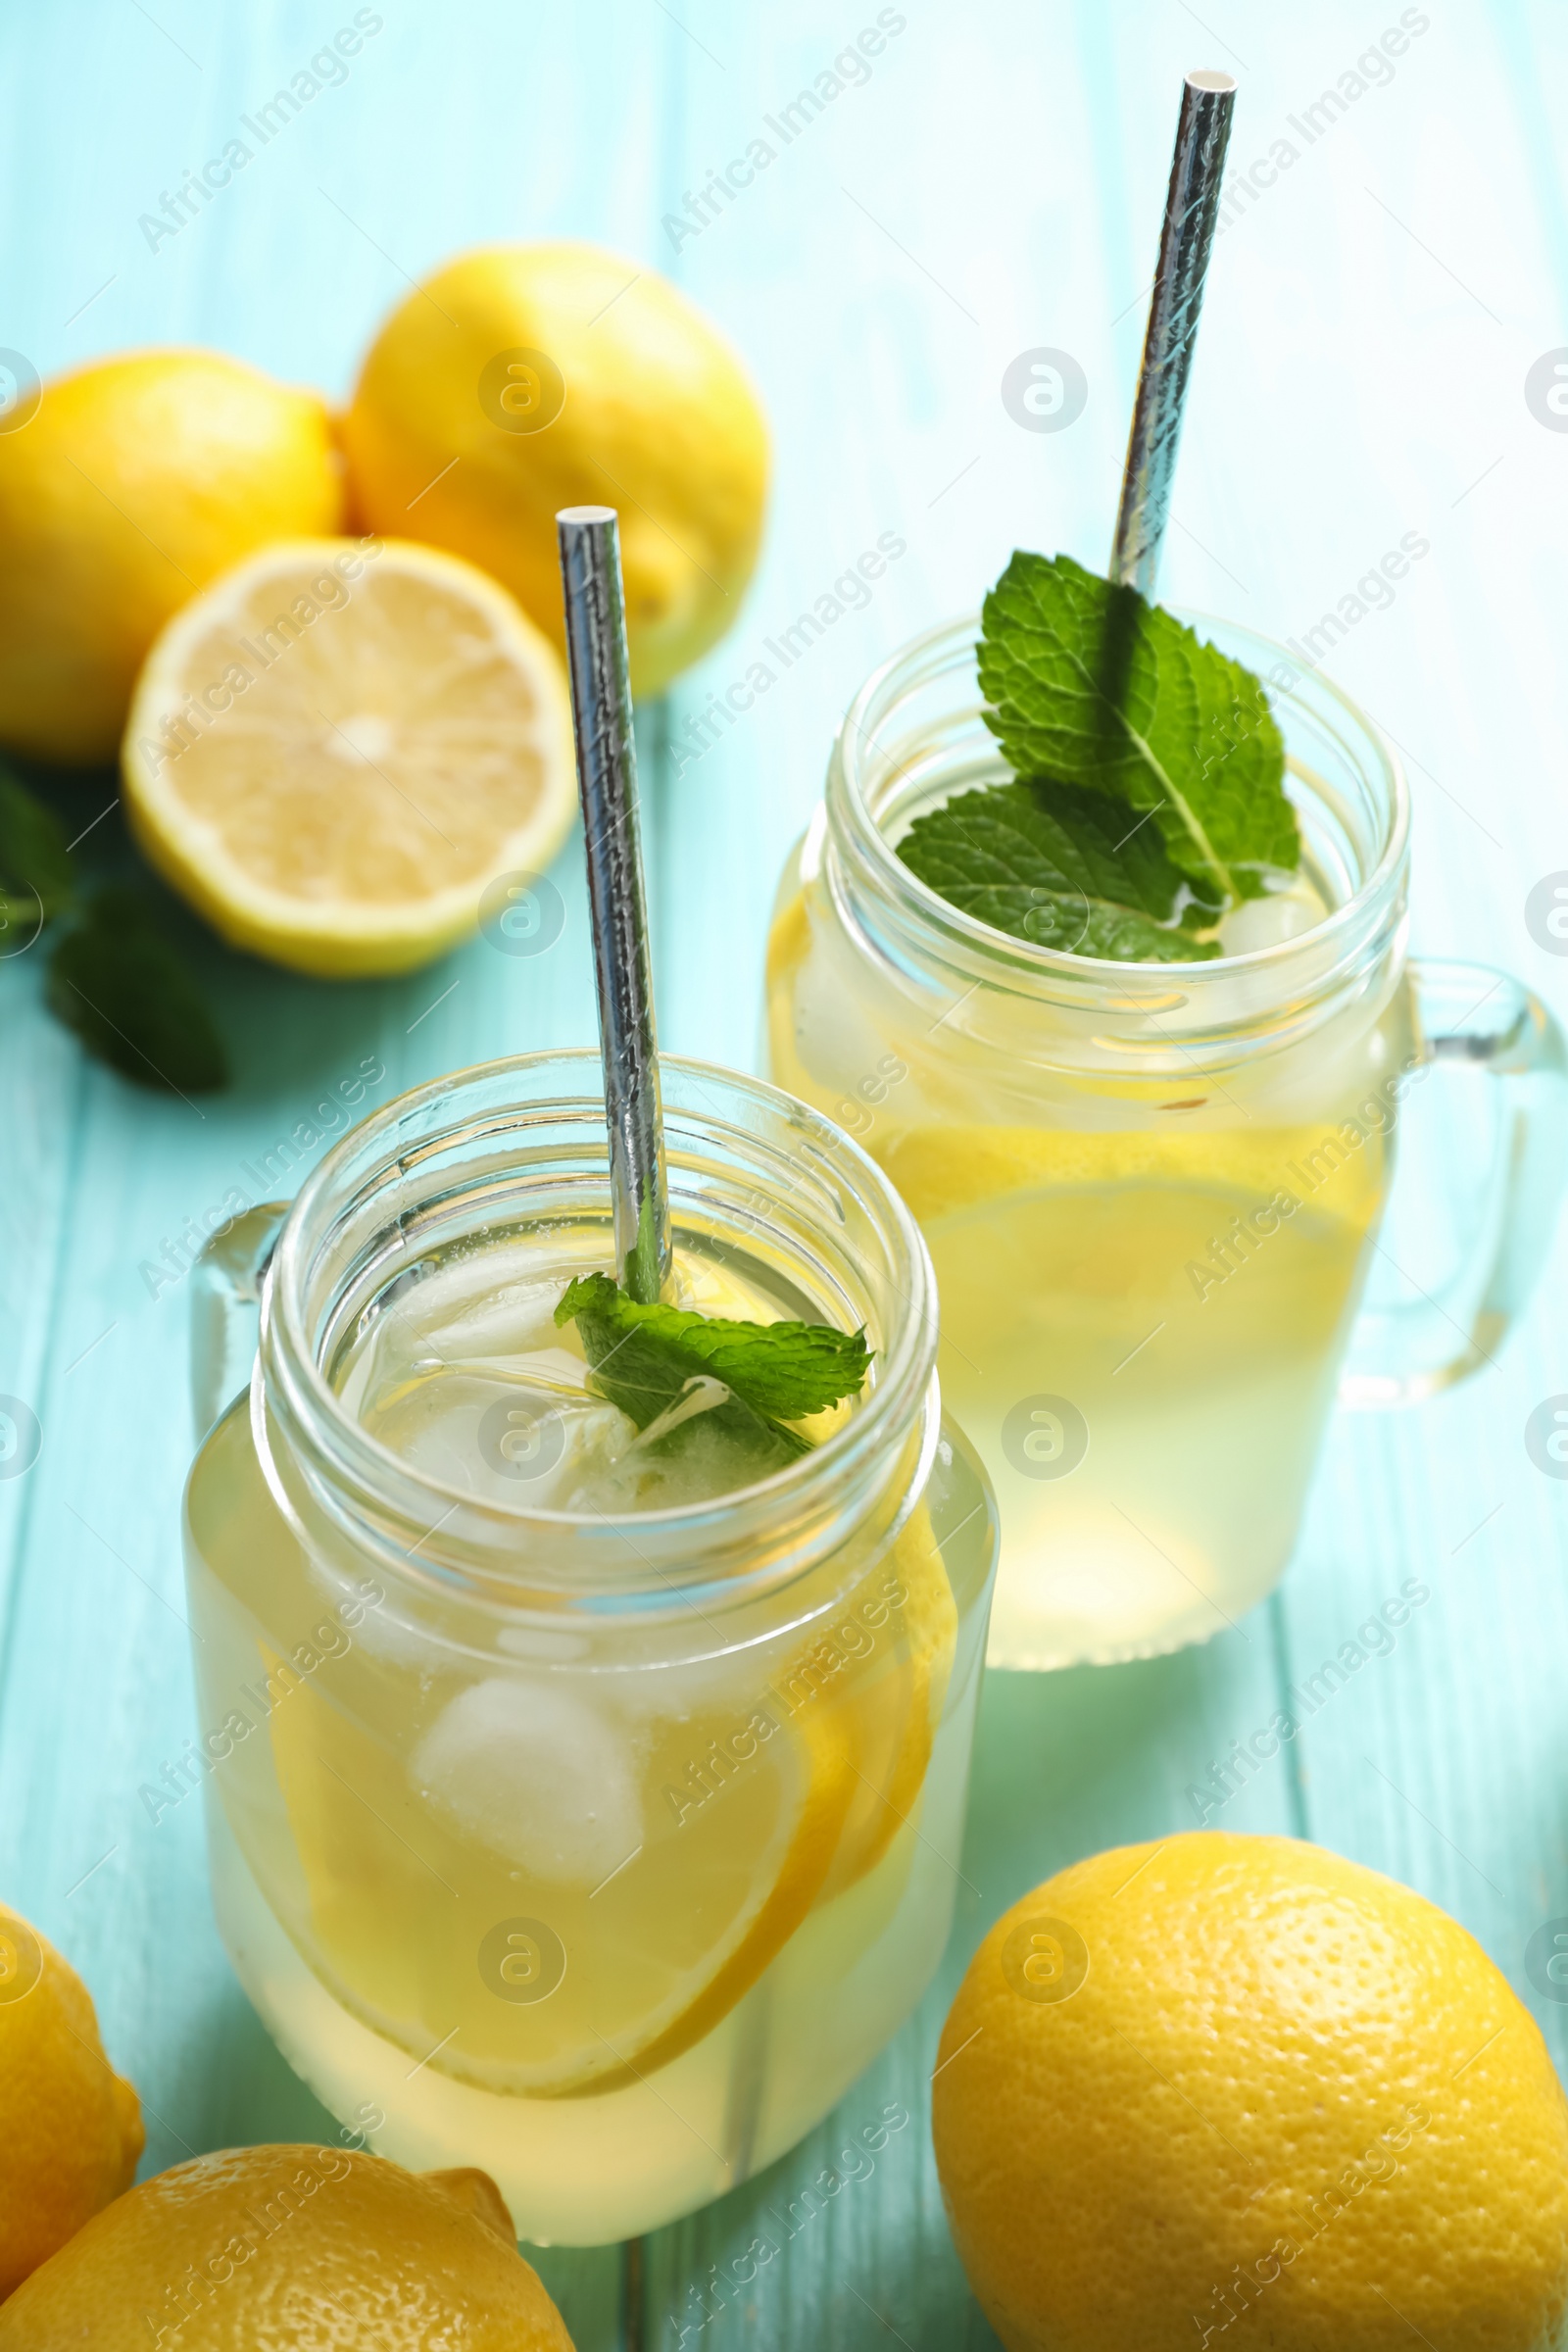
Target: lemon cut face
[(724, 1830), (336, 748), (621, 1977)]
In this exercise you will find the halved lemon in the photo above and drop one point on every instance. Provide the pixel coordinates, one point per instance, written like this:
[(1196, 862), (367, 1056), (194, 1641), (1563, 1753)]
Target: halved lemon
[(336, 748)]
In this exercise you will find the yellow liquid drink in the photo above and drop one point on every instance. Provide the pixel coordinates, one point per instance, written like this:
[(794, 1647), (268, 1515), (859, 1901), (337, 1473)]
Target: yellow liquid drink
[(606, 1855), (1143, 1333), (1149, 1193), (1134, 1529)]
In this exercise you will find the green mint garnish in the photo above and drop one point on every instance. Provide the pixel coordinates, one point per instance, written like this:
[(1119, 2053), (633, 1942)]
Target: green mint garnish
[(113, 977), (35, 880), (118, 984), (645, 1358), (1098, 697), (1061, 867)]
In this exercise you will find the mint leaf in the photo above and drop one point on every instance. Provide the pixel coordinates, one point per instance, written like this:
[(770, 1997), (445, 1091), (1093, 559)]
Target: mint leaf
[(644, 1359), (113, 978), (35, 879), (116, 980), (1088, 684), (1061, 867)]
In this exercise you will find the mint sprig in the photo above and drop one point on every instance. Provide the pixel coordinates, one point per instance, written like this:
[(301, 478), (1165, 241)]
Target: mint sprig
[(118, 984), (35, 877), (645, 1358), (1063, 867), (1089, 684), (114, 976), (1096, 696)]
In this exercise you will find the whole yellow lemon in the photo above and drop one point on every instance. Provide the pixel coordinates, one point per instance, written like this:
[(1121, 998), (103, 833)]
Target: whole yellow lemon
[(135, 483), (524, 378), (291, 2249), (69, 2128), (1236, 2090)]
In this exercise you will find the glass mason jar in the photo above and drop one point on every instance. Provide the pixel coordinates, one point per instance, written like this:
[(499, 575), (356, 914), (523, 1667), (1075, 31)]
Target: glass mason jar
[(601, 1852), (1152, 1192)]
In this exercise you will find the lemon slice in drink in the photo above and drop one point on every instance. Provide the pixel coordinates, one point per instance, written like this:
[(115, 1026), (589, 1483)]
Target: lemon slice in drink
[(943, 1171), (855, 1756), (565, 1895), (482, 1899), (340, 744), (892, 1700)]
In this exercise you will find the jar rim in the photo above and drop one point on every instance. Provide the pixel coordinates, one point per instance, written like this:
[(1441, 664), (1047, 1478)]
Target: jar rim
[(315, 1417), (848, 802)]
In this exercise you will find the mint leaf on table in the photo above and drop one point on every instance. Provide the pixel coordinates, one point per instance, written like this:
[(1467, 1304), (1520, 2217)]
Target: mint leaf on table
[(1061, 867), (1088, 684), (35, 854), (644, 1359), (116, 980), (113, 978), (35, 879)]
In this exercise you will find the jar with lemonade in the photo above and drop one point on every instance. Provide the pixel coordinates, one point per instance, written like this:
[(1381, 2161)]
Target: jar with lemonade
[(1147, 1126), (587, 1788)]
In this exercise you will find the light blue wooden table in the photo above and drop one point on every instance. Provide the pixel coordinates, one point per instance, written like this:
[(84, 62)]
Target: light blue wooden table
[(1392, 268)]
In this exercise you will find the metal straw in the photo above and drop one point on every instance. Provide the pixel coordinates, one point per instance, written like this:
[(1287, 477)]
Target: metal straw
[(606, 779), (1191, 202)]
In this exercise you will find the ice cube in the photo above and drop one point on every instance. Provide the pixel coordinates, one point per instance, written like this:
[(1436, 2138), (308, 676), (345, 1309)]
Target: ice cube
[(536, 1773), (707, 1458), (507, 1316), (1269, 922), (522, 1431)]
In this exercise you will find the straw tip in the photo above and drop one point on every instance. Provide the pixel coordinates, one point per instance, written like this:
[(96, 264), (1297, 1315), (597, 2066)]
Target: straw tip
[(1212, 81), (585, 515)]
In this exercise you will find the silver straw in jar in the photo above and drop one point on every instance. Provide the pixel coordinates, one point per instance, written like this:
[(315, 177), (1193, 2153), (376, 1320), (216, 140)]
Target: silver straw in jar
[(1192, 205), (606, 780)]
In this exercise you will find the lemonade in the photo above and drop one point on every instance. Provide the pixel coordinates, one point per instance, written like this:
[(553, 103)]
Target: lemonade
[(599, 1814), (1150, 1191), (1145, 1541), (1144, 1347)]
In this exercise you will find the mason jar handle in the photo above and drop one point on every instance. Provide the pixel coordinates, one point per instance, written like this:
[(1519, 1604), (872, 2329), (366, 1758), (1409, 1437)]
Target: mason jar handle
[(1468, 1017), (225, 1311)]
